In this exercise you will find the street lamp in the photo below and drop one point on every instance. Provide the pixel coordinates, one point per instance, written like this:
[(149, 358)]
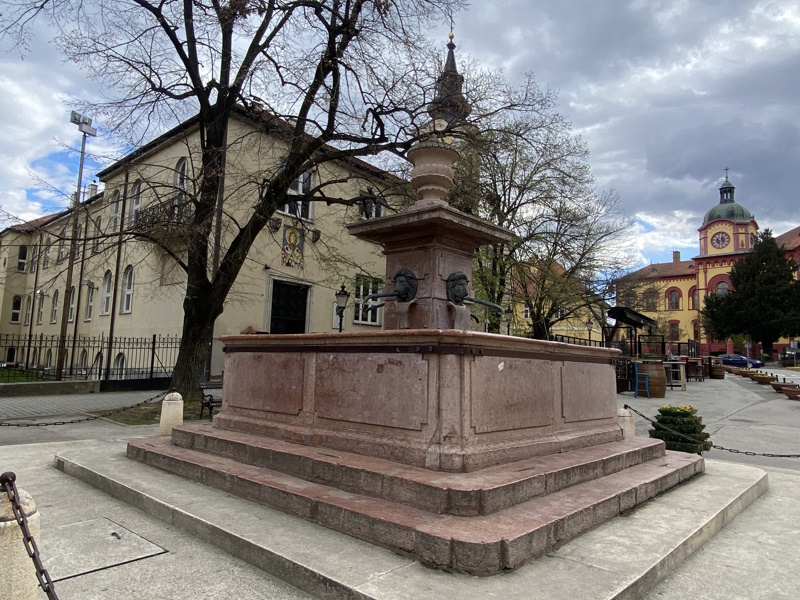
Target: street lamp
[(589, 325), (341, 303), (85, 127)]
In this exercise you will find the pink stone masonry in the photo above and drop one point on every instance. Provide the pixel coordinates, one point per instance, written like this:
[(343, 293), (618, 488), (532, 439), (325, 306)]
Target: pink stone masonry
[(446, 400)]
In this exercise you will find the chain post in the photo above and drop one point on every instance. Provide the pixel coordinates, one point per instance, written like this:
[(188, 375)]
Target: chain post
[(9, 487)]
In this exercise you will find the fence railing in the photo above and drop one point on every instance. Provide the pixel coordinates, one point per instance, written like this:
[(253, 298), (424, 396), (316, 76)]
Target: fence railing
[(30, 358), (655, 345)]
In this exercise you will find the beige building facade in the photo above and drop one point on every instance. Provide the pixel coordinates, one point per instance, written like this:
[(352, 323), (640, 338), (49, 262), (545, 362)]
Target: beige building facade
[(127, 278)]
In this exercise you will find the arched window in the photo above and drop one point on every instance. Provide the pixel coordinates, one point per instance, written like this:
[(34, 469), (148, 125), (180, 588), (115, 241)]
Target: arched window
[(97, 365), (33, 359), (136, 201), (28, 309), (651, 300), (72, 296), (105, 300), (48, 361), (119, 366), (11, 354), (693, 299), (127, 290), (54, 308), (89, 301), (629, 299), (84, 361), (722, 289), (113, 213), (16, 309), (40, 308), (674, 300)]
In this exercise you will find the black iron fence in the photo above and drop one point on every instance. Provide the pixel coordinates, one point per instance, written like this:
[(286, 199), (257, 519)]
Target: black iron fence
[(643, 346), (31, 358)]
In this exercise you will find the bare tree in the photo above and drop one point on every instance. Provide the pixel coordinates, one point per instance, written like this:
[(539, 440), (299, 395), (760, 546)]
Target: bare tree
[(534, 179), (336, 79)]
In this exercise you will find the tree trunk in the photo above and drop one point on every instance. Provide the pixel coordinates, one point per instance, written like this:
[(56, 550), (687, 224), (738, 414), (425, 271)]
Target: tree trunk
[(198, 325)]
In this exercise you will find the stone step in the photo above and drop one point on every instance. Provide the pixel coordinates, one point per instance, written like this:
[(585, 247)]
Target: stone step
[(480, 545), (466, 494)]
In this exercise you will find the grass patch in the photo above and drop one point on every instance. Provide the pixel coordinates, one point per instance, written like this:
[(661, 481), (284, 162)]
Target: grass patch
[(150, 413)]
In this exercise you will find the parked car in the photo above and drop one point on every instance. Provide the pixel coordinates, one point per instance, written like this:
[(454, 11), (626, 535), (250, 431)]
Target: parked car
[(737, 360)]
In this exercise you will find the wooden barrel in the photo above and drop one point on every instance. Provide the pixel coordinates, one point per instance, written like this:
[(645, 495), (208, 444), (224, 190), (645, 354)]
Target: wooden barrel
[(658, 378), (717, 372)]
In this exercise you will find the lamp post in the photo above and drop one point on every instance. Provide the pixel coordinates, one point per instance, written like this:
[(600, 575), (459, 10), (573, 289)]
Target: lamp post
[(341, 303), (589, 324), (85, 127)]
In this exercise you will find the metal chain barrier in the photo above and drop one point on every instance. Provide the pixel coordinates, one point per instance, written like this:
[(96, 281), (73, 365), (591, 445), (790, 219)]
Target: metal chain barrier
[(84, 419), (686, 437), (8, 485)]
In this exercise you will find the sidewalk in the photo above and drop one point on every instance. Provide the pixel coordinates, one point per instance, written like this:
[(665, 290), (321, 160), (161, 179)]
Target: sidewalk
[(754, 557)]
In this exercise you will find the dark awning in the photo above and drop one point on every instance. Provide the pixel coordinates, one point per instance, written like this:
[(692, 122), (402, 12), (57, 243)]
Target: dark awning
[(630, 317)]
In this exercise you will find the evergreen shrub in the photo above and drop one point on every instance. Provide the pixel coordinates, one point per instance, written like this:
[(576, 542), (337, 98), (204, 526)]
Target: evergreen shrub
[(681, 419)]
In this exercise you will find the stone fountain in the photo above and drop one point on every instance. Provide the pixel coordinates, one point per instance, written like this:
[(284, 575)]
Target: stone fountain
[(469, 451)]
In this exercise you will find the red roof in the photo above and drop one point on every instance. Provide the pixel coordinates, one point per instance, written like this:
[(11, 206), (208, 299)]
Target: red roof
[(789, 240)]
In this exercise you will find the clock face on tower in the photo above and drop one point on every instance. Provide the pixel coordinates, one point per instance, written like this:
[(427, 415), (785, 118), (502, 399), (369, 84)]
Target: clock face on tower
[(720, 239)]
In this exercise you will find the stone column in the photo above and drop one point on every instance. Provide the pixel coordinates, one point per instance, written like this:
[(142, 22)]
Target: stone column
[(17, 572)]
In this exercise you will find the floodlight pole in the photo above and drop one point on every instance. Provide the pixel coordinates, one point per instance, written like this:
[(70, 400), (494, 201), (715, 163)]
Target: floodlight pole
[(85, 127)]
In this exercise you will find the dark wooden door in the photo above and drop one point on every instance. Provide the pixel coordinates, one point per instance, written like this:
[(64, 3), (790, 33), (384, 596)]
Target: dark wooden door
[(288, 313)]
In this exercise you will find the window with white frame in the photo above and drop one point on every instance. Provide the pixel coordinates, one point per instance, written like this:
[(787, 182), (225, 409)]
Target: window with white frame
[(364, 287), (105, 300), (127, 290), (98, 223), (54, 308), (136, 201), (32, 266), (62, 249), (113, 213), (28, 309), (299, 207), (526, 312), (78, 243), (46, 253), (40, 310), (16, 309), (22, 258), (89, 302), (72, 296), (180, 183)]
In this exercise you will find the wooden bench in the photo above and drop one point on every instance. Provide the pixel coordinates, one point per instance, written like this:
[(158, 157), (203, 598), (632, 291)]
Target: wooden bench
[(209, 401)]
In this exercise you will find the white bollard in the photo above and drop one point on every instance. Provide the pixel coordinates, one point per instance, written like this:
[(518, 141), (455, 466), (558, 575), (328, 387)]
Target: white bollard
[(17, 571), (171, 413), (625, 418)]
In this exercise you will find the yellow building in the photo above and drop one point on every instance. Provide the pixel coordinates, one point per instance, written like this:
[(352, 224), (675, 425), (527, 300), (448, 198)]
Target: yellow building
[(672, 293)]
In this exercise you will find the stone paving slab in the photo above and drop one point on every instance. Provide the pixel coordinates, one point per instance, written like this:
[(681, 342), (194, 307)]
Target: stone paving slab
[(619, 559)]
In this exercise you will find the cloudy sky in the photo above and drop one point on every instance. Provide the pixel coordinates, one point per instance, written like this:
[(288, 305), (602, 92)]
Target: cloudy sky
[(667, 93)]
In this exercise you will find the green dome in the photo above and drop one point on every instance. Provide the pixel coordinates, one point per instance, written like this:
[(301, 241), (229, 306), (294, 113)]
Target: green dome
[(727, 209), (730, 212)]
